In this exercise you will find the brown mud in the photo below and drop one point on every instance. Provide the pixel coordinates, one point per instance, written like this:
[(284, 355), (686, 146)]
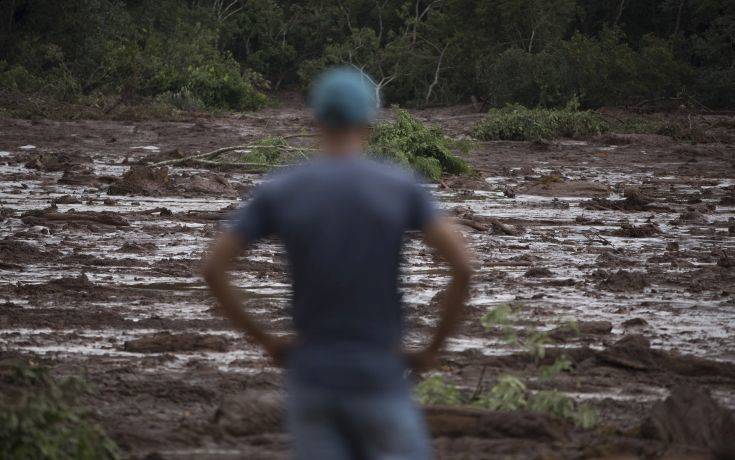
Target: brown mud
[(632, 236)]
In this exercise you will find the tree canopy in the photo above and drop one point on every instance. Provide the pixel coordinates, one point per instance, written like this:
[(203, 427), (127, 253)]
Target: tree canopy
[(229, 53)]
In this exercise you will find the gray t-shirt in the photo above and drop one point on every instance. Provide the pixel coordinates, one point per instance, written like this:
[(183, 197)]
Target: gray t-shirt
[(342, 221)]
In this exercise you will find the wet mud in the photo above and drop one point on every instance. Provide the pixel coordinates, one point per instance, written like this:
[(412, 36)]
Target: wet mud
[(631, 236)]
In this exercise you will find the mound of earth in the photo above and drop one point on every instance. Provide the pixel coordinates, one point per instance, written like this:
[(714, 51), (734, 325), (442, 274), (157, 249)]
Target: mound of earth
[(14, 251), (152, 181), (691, 417)]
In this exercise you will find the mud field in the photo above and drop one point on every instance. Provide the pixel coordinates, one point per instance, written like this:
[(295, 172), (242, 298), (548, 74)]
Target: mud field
[(632, 236)]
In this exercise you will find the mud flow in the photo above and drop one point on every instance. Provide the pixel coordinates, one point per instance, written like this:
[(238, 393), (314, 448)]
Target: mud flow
[(631, 237)]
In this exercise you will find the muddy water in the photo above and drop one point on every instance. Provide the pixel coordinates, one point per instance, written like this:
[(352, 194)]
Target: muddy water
[(82, 291)]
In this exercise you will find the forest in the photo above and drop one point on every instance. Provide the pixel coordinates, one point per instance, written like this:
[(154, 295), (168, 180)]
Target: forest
[(233, 54)]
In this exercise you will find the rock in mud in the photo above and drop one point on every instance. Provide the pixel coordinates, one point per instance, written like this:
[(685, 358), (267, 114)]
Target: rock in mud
[(691, 417), (163, 342), (622, 281), (253, 412)]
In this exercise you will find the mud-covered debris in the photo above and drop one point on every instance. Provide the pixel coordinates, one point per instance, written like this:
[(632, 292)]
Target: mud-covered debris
[(581, 328), (557, 185), (130, 246), (691, 417), (635, 201), (12, 250), (728, 200), (632, 351), (672, 246), (152, 181), (253, 412), (690, 216), (163, 342), (613, 259), (55, 161), (509, 192), (44, 216), (538, 272), (453, 421), (66, 199), (142, 180), (637, 231), (634, 323), (624, 280), (466, 217)]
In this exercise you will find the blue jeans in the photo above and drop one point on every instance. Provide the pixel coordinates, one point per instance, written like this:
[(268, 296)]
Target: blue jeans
[(376, 426)]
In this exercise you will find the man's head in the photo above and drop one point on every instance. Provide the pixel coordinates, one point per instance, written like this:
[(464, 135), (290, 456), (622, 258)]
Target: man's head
[(345, 104)]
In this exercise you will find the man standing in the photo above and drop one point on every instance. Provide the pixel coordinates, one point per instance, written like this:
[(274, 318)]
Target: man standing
[(342, 219)]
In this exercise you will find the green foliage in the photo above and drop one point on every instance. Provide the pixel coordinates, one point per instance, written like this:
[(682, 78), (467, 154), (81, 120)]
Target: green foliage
[(409, 142), (40, 418), (506, 395), (552, 402), (510, 393), (521, 124), (434, 390)]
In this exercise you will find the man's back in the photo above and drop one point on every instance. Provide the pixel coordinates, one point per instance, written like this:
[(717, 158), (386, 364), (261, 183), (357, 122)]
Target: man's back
[(342, 221)]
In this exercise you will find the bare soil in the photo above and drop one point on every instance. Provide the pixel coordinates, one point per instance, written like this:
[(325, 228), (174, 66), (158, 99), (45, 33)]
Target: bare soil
[(632, 236)]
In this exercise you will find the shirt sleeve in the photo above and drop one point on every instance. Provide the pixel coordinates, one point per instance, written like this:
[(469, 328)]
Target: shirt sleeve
[(254, 220), (424, 210)]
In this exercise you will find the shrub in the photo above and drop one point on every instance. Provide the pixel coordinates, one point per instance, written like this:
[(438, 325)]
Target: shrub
[(411, 143), (517, 123), (434, 390), (41, 419)]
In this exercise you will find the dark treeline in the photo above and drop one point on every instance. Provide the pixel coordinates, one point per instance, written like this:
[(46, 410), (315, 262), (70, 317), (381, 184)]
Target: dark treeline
[(228, 53)]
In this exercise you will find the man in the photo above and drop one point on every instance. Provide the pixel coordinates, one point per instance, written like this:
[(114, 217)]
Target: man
[(342, 219)]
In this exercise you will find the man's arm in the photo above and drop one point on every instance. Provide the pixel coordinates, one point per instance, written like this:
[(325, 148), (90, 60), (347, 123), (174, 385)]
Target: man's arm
[(216, 265), (447, 242)]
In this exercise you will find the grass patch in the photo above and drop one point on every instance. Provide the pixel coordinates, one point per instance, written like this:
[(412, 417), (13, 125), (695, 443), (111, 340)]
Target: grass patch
[(425, 148), (518, 123), (41, 418)]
